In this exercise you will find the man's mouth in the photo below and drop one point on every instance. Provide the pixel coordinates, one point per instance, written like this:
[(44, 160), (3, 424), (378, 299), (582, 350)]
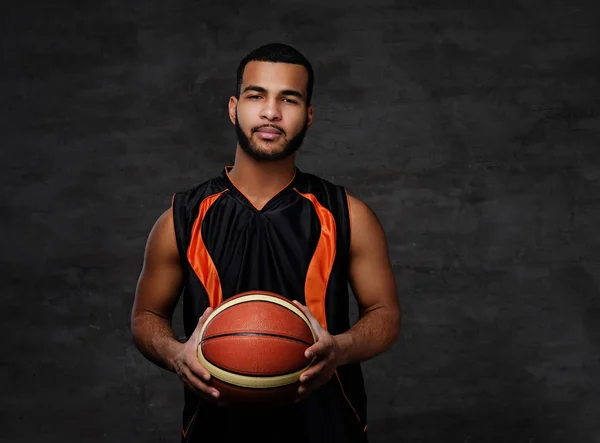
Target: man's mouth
[(268, 133)]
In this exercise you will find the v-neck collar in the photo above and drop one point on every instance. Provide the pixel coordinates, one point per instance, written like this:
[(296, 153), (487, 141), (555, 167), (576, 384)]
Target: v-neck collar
[(289, 187)]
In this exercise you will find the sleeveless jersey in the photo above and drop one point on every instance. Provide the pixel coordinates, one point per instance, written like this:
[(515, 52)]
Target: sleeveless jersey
[(296, 246)]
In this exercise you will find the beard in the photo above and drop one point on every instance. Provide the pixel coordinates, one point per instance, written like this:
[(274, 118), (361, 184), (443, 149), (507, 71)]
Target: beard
[(263, 155)]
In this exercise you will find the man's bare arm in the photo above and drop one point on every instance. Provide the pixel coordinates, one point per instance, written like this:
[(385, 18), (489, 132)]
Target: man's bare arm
[(374, 286), (157, 292)]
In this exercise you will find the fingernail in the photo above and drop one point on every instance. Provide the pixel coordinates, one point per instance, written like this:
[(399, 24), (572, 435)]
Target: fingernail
[(215, 394), (206, 377)]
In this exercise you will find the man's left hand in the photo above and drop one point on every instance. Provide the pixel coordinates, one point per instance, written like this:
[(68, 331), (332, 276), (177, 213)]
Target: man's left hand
[(327, 354)]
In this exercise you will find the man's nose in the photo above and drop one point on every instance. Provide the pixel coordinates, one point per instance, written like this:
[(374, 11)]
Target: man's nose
[(271, 110)]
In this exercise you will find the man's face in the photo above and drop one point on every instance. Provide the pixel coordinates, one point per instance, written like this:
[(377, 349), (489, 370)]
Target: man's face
[(271, 117)]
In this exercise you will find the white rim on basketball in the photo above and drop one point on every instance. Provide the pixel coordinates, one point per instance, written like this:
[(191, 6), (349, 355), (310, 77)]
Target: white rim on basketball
[(248, 381)]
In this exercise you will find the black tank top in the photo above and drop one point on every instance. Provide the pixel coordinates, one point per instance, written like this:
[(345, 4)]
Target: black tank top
[(296, 246)]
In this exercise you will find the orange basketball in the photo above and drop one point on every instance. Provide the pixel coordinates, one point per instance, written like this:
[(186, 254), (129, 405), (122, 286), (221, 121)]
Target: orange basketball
[(253, 345)]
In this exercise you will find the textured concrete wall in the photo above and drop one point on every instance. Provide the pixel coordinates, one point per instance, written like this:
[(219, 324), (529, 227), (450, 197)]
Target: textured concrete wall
[(471, 128)]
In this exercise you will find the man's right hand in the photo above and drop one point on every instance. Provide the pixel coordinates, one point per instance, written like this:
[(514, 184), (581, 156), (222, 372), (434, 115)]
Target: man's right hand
[(189, 369)]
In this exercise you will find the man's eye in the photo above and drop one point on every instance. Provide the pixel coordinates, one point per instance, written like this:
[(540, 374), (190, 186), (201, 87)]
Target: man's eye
[(253, 96)]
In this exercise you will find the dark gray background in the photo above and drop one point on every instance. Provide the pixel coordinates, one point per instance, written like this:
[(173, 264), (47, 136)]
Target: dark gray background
[(471, 128)]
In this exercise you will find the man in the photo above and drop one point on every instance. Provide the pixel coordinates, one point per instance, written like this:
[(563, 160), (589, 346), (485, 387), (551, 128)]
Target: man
[(265, 225)]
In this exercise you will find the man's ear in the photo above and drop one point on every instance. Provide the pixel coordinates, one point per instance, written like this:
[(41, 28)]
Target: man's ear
[(233, 101), (309, 116)]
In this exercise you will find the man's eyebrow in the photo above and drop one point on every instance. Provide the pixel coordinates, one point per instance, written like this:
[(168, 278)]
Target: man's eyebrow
[(254, 88), (262, 90), (292, 92)]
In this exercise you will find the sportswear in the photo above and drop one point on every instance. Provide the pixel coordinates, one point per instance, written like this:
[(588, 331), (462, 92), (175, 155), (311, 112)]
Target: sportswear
[(297, 246)]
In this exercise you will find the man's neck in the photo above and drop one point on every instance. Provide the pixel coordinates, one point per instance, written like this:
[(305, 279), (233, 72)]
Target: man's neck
[(261, 180)]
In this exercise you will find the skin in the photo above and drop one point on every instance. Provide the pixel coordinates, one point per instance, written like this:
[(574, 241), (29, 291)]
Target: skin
[(259, 178), (374, 286)]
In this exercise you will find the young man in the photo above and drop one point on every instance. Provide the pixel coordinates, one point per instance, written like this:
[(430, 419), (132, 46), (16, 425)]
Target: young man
[(265, 225)]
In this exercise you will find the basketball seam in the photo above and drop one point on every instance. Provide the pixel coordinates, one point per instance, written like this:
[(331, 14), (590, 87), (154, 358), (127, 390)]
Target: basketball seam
[(230, 371), (255, 334), (257, 297)]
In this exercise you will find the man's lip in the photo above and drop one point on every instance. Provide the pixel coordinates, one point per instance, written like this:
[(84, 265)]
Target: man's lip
[(269, 130)]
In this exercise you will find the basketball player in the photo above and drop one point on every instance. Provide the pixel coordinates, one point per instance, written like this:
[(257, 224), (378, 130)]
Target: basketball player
[(262, 224)]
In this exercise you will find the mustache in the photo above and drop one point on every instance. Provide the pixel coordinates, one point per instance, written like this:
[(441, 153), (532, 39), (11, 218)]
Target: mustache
[(268, 126)]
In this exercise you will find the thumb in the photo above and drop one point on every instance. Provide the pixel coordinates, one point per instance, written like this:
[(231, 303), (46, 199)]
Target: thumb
[(204, 316), (311, 318), (201, 321)]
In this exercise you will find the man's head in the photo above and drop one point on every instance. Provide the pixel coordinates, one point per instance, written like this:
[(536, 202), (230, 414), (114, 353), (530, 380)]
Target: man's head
[(271, 110)]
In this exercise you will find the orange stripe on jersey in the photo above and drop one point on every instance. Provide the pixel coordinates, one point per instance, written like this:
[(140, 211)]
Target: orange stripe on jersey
[(319, 271), (200, 259), (349, 402), (321, 263), (185, 431)]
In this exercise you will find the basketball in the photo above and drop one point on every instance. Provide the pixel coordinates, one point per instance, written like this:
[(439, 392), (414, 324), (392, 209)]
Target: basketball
[(253, 345)]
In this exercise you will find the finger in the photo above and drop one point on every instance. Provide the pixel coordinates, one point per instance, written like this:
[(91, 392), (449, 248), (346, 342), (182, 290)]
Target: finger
[(203, 317), (304, 391), (312, 372), (304, 309), (200, 394), (301, 393), (198, 370), (319, 350), (306, 388), (301, 396), (198, 385), (314, 383), (311, 318), (195, 338)]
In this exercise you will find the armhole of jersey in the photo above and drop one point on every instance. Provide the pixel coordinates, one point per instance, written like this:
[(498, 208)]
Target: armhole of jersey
[(349, 211), (177, 223)]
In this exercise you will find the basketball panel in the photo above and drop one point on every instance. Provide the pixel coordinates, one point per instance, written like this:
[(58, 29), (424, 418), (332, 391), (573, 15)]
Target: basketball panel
[(256, 355), (256, 317)]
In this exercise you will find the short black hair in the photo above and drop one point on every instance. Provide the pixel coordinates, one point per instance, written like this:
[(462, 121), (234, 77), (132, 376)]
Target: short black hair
[(277, 53)]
